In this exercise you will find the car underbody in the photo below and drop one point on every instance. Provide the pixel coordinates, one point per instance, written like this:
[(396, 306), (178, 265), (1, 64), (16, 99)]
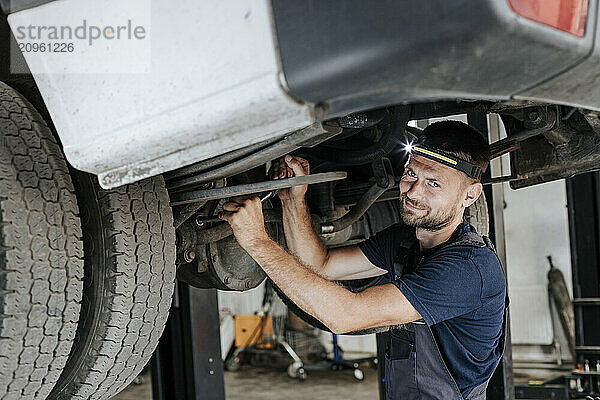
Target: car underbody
[(545, 143)]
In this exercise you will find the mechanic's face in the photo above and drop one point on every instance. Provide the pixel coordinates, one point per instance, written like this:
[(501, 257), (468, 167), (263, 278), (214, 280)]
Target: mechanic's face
[(432, 195)]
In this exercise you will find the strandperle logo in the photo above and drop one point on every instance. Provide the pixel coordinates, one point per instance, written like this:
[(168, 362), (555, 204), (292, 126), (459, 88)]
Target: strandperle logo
[(85, 31)]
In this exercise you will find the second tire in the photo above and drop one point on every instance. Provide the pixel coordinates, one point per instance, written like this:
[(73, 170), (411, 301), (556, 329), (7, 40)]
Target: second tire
[(129, 277)]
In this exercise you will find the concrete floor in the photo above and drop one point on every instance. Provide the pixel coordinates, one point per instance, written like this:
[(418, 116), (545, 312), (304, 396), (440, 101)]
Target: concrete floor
[(253, 383), (260, 383)]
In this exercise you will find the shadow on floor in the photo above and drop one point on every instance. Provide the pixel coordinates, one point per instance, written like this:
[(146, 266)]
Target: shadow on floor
[(260, 383)]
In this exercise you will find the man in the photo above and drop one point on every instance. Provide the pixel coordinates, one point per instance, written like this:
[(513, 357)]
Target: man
[(446, 283)]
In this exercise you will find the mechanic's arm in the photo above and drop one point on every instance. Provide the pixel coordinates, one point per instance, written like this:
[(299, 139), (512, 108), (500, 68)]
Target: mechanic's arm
[(335, 264), (336, 307)]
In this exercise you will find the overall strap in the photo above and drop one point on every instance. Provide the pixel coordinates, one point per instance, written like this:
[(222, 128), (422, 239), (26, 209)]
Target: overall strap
[(400, 256), (466, 239), (469, 239)]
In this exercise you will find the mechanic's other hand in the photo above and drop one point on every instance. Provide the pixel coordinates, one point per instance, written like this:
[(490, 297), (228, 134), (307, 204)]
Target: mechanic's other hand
[(246, 219), (287, 167)]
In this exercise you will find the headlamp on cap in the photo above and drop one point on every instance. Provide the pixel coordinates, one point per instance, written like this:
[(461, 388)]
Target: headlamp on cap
[(471, 170)]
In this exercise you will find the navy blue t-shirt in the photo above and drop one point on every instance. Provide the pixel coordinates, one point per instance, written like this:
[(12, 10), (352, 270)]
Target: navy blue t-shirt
[(460, 293)]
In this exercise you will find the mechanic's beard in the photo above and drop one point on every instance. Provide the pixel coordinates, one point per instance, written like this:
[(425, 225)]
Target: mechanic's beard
[(429, 221)]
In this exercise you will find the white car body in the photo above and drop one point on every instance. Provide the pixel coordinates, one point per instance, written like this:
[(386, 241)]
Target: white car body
[(207, 90)]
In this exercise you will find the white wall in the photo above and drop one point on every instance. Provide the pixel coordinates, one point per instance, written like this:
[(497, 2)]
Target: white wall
[(536, 226)]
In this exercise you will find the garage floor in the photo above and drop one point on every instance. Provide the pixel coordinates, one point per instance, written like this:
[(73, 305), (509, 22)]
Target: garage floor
[(259, 383), (255, 383)]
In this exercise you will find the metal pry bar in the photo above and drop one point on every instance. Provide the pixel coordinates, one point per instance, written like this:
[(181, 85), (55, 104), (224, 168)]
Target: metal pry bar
[(250, 188)]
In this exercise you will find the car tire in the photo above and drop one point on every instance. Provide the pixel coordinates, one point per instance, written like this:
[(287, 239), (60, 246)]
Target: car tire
[(476, 215), (129, 277), (41, 253), (25, 85)]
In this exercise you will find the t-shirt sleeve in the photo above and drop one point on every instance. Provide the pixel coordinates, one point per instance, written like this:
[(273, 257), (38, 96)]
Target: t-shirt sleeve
[(444, 287), (380, 248)]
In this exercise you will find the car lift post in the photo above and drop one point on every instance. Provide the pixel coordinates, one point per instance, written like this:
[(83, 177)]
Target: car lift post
[(187, 364), (501, 386), (583, 200)]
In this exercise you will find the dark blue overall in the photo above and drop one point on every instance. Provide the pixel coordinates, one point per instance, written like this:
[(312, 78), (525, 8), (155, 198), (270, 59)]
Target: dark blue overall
[(414, 366)]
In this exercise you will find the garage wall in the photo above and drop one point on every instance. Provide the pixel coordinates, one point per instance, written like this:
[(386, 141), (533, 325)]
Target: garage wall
[(536, 226)]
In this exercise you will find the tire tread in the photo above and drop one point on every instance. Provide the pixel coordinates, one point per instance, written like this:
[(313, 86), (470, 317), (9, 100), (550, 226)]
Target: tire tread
[(41, 253), (138, 286)]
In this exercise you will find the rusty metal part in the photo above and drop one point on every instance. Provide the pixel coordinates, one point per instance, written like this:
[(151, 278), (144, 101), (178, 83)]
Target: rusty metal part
[(363, 119), (538, 160), (569, 149), (537, 123), (186, 212), (250, 188), (223, 263), (592, 118), (186, 240), (189, 255), (390, 139), (307, 137)]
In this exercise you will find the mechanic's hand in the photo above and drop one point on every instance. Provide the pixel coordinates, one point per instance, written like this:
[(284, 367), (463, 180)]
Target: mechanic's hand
[(287, 167), (245, 216)]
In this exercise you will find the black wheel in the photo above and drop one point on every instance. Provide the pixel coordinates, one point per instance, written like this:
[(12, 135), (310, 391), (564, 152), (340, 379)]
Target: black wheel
[(41, 253), (129, 251), (233, 364), (374, 363), (302, 376)]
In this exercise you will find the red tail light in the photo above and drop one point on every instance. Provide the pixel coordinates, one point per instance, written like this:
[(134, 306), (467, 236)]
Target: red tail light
[(566, 15)]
